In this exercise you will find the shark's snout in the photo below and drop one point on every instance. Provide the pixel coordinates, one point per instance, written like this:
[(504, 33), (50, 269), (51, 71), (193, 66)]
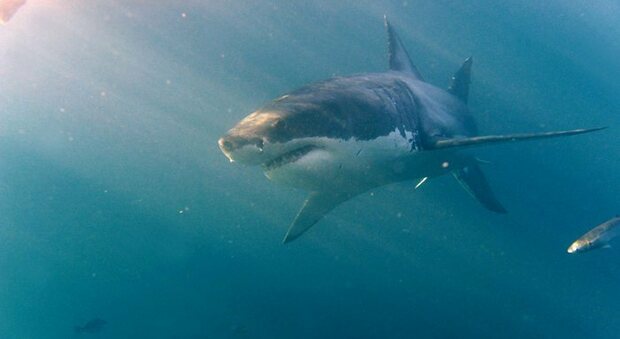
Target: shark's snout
[(241, 149), (227, 147), (230, 143)]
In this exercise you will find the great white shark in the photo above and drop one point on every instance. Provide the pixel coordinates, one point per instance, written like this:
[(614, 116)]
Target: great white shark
[(340, 137)]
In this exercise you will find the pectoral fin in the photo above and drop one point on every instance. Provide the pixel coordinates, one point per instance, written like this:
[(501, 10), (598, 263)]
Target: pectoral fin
[(315, 207), (473, 180)]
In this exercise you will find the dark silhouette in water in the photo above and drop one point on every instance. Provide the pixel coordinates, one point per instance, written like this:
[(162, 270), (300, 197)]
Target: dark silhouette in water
[(93, 326), (344, 136)]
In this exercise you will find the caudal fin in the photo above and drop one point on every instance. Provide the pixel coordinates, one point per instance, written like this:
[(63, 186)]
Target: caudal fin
[(495, 139)]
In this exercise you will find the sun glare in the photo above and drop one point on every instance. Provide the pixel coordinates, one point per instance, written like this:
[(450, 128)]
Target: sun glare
[(8, 8)]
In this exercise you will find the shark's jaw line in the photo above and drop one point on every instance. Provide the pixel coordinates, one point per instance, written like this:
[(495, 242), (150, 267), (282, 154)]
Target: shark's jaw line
[(323, 163), (287, 158)]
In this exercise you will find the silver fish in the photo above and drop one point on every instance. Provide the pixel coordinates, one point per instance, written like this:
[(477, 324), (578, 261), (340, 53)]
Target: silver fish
[(597, 237)]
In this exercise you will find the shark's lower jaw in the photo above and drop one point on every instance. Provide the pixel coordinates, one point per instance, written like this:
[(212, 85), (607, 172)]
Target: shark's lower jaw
[(287, 158)]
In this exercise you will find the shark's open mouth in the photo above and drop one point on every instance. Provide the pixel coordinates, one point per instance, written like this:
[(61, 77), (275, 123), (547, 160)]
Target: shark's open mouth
[(287, 157)]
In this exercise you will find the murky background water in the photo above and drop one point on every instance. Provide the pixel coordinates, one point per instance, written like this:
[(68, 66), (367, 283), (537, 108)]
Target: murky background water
[(116, 203)]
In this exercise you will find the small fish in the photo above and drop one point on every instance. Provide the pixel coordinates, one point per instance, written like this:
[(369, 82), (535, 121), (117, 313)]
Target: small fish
[(597, 237), (93, 326)]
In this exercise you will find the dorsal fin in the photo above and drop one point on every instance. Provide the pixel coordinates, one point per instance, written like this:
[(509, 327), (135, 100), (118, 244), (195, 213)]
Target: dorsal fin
[(398, 56), (459, 84)]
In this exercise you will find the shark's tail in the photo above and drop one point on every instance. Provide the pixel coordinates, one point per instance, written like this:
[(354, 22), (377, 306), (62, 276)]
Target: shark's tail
[(495, 139), (471, 176)]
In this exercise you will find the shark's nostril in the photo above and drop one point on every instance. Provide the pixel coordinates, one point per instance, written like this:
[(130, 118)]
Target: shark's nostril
[(230, 144), (226, 145)]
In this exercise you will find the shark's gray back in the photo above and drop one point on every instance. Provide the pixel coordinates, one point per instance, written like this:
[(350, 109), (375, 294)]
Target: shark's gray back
[(368, 106), (441, 114)]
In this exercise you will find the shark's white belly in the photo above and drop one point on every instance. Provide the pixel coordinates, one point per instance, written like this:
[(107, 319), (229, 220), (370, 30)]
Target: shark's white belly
[(358, 165)]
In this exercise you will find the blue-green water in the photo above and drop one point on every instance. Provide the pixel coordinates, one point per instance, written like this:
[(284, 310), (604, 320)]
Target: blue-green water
[(116, 203)]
